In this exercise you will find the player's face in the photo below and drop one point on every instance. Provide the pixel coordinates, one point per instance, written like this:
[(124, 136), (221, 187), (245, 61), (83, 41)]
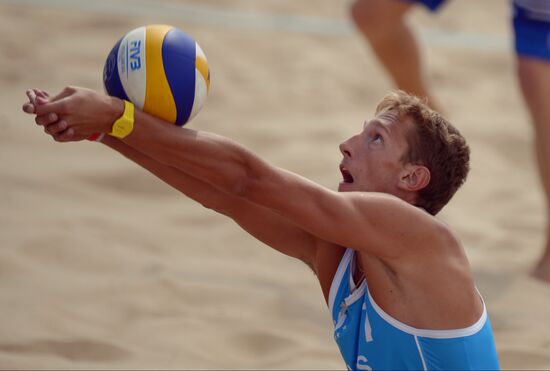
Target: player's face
[(372, 158)]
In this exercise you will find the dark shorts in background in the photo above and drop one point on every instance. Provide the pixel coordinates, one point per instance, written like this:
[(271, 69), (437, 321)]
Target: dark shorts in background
[(532, 28), (433, 5), (531, 20)]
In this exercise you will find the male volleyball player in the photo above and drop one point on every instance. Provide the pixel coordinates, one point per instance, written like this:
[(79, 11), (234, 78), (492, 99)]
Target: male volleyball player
[(396, 279), (383, 24)]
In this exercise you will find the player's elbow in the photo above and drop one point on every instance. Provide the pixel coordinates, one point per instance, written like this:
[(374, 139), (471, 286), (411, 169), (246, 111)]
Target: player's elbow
[(250, 186), (247, 177), (243, 185)]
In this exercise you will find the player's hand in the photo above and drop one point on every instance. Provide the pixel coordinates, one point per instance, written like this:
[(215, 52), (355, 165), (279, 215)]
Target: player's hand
[(83, 112), (51, 122)]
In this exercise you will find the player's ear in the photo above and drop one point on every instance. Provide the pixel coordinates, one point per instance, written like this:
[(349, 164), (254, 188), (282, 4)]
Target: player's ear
[(414, 178)]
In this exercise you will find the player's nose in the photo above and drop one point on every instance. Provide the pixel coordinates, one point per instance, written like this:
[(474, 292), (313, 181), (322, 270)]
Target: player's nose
[(345, 148)]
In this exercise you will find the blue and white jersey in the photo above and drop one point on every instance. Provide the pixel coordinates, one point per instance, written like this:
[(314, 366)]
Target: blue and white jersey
[(370, 339)]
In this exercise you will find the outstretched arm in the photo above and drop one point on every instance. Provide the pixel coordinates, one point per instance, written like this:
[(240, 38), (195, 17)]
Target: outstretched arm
[(259, 221), (375, 223), (262, 223)]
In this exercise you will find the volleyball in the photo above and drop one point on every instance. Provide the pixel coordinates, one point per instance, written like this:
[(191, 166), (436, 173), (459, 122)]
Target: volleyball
[(160, 69)]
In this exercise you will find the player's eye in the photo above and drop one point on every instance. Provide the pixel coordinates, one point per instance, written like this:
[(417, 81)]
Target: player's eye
[(377, 139)]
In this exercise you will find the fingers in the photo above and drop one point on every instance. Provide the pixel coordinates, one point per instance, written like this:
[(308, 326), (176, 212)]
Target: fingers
[(41, 103), (47, 109), (28, 108), (45, 106), (41, 93), (56, 128), (52, 113), (61, 132), (64, 136), (69, 90), (33, 95), (45, 120)]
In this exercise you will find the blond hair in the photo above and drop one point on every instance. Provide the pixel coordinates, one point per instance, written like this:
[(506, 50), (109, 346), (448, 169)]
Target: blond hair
[(433, 143)]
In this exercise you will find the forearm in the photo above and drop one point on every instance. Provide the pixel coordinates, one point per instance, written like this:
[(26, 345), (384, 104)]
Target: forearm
[(211, 158), (229, 167), (236, 171), (260, 222), (193, 188)]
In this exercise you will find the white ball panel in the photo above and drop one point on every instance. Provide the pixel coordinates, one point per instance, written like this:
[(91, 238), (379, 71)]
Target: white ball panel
[(200, 93), (199, 51), (132, 66)]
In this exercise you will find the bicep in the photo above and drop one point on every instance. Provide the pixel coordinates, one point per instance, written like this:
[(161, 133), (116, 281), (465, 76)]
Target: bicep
[(376, 223)]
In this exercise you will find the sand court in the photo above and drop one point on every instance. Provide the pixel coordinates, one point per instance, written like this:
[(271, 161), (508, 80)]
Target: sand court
[(103, 266)]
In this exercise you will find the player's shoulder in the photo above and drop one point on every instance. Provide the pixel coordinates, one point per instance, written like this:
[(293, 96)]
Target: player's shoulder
[(398, 209), (426, 226)]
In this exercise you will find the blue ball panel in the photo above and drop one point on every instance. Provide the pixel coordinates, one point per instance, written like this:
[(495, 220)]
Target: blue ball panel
[(178, 57), (111, 79)]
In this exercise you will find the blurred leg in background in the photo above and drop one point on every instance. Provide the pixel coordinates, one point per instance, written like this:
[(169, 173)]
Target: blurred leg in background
[(532, 32), (384, 25)]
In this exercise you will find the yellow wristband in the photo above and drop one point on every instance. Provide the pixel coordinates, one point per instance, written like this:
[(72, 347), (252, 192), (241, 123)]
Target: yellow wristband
[(125, 124)]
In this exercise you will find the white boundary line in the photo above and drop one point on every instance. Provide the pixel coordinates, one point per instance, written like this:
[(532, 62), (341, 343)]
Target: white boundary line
[(240, 19)]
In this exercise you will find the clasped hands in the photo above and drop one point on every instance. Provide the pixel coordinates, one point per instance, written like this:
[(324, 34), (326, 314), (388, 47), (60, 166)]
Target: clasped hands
[(74, 114)]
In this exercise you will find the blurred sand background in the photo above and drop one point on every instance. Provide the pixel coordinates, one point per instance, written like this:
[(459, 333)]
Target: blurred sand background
[(102, 266)]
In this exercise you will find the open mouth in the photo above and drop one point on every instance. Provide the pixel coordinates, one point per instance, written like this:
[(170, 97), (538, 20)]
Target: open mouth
[(346, 174)]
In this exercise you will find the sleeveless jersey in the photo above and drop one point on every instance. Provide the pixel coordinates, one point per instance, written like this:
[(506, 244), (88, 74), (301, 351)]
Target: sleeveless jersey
[(370, 339)]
